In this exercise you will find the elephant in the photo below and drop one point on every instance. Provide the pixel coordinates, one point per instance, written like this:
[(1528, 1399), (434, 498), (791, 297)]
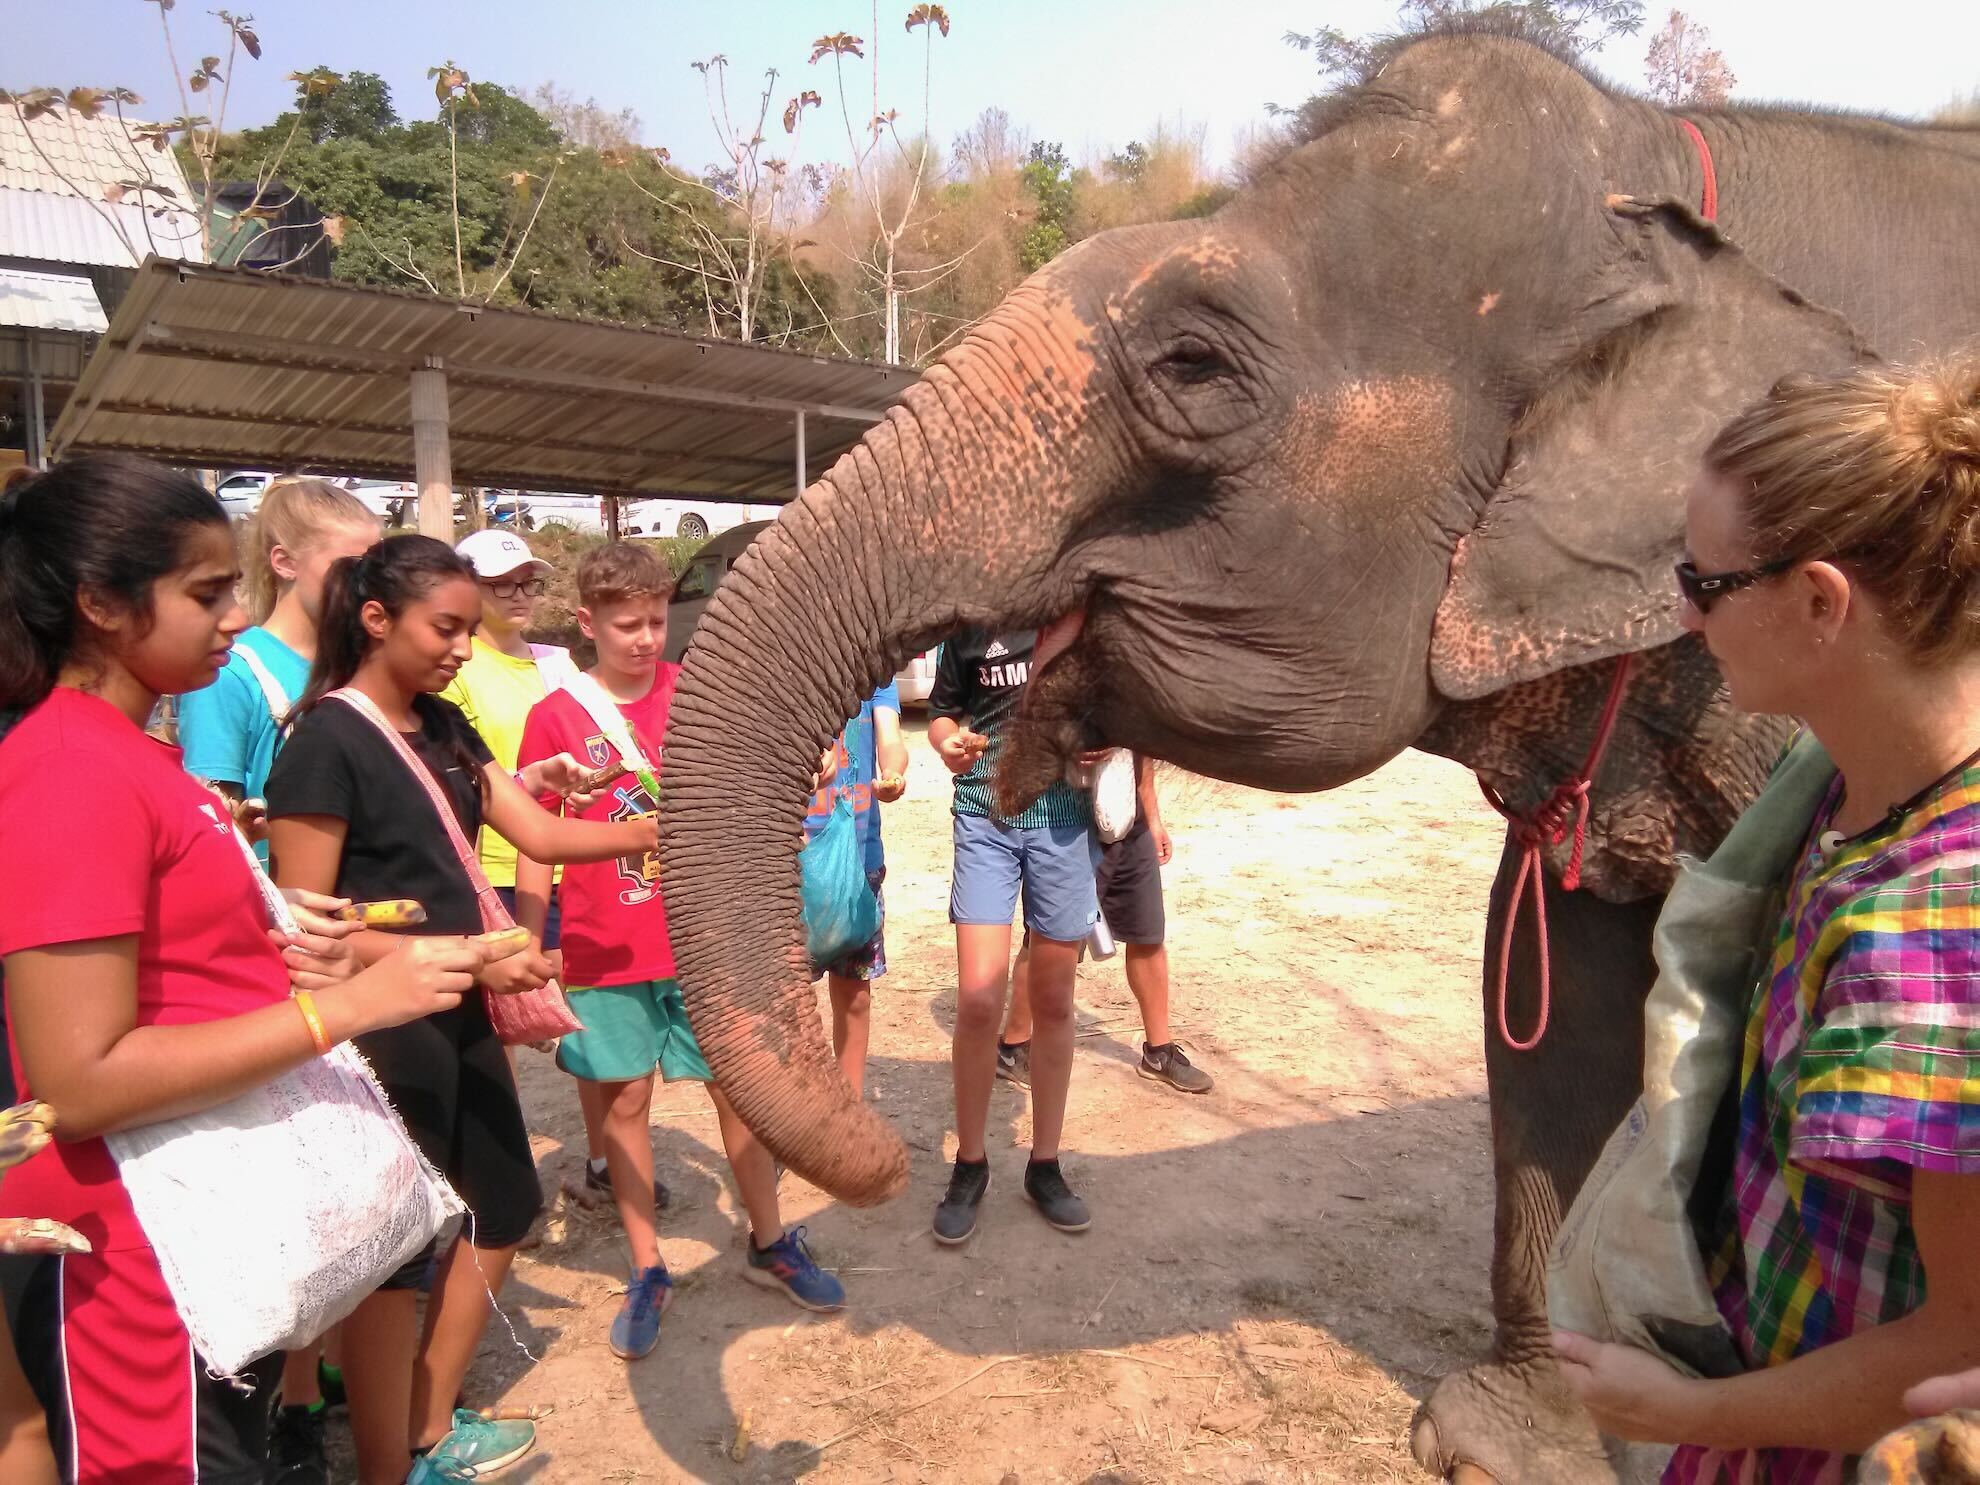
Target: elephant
[(1389, 452)]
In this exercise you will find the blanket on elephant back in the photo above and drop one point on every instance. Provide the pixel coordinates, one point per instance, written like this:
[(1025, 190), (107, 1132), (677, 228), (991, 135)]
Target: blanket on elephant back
[(1861, 1065)]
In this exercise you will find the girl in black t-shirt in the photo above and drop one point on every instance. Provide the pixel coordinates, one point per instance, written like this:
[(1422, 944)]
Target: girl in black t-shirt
[(346, 814)]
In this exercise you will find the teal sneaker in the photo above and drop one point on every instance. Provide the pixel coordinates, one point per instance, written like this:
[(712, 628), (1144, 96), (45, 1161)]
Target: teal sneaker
[(787, 1265), (477, 1449), (636, 1328)]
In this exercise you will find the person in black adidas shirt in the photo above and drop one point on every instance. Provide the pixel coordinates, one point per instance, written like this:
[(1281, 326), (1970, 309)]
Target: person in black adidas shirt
[(1049, 852)]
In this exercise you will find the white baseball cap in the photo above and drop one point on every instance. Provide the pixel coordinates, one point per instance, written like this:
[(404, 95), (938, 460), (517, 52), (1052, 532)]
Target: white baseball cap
[(494, 554)]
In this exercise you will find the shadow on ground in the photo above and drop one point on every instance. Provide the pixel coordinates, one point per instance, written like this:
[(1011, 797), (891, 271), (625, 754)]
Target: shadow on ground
[(1178, 1233)]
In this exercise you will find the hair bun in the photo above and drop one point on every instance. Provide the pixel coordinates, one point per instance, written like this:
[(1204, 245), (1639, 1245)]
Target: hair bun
[(1939, 415)]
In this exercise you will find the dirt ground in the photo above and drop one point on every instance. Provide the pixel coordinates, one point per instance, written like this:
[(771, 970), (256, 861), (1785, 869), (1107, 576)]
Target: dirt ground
[(1275, 1273)]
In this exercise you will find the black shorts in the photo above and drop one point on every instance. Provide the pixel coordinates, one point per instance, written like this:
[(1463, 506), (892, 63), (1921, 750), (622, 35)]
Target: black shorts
[(553, 916), (448, 1076), (1130, 882), (143, 1410)]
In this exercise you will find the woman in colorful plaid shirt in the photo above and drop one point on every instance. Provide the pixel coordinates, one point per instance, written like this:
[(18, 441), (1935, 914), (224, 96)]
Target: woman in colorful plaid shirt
[(1834, 571)]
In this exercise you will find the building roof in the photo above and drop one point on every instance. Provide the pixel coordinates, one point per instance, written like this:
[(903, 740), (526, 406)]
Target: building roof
[(54, 175), (224, 368), (50, 301)]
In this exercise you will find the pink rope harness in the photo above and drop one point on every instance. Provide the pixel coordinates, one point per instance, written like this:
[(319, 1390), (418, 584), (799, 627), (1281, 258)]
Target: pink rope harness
[(1566, 809)]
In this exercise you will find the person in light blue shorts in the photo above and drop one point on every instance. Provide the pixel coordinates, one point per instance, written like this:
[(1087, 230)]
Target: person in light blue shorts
[(1046, 856)]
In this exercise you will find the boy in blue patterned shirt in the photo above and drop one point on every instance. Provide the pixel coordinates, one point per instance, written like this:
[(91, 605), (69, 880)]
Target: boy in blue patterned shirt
[(867, 767), (1049, 852)]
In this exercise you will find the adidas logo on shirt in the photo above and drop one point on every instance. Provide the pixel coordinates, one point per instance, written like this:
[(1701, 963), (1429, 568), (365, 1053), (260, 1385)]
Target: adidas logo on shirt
[(996, 650)]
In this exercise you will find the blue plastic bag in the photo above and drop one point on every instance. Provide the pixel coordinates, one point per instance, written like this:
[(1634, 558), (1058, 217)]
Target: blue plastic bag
[(841, 913)]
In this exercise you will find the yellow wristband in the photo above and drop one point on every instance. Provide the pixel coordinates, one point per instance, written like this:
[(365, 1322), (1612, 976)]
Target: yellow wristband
[(306, 1003)]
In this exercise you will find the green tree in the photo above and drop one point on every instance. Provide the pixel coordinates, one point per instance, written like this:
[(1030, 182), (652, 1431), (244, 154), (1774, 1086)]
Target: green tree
[(1048, 178), (360, 108)]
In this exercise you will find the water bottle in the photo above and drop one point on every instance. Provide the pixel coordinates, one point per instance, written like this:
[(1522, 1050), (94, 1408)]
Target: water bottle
[(1099, 941)]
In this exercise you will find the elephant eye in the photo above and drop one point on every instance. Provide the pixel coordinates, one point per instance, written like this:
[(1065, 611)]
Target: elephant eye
[(1193, 360)]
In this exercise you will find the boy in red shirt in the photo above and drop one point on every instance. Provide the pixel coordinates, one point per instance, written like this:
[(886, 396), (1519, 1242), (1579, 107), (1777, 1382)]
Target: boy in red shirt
[(619, 967)]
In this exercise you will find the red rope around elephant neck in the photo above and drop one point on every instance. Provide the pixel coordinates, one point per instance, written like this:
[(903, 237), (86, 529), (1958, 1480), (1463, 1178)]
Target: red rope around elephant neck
[(1567, 807)]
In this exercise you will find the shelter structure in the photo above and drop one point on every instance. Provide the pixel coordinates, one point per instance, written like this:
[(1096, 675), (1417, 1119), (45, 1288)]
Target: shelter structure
[(223, 368), (82, 203)]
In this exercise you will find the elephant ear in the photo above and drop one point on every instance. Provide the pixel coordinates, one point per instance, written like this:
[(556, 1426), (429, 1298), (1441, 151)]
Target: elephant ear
[(1571, 560)]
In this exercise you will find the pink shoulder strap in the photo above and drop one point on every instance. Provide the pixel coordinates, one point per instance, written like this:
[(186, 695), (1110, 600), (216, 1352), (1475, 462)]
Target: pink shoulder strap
[(493, 914)]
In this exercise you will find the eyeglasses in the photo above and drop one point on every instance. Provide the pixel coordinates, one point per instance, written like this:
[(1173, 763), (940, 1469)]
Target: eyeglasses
[(521, 588), (1703, 589)]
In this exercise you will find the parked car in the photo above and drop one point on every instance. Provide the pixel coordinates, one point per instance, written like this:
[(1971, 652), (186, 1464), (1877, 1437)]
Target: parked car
[(698, 581), (241, 491), (696, 520), (917, 678), (704, 573)]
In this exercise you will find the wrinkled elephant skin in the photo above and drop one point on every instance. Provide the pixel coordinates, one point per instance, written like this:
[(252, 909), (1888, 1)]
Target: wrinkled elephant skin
[(1390, 452)]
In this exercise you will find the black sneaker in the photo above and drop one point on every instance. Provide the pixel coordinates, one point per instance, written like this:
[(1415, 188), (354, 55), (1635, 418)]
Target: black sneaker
[(295, 1448), (1167, 1064), (955, 1218), (1046, 1185), (1014, 1063), (600, 1182)]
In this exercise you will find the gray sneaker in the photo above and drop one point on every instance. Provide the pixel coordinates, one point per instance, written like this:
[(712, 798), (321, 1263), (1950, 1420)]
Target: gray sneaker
[(955, 1218), (1046, 1185), (1014, 1063), (1167, 1064)]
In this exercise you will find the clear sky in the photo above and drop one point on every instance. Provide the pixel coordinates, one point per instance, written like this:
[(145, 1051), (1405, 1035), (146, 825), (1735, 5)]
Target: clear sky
[(1089, 73)]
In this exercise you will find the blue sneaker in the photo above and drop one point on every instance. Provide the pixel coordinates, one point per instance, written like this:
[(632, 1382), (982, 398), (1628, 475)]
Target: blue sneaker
[(477, 1449), (636, 1329), (787, 1264)]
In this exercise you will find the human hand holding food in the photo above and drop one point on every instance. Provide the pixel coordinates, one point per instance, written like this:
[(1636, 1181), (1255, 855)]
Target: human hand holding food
[(960, 750), (319, 954), (427, 975), (889, 787), (251, 819), (559, 774), (24, 1130), (516, 973)]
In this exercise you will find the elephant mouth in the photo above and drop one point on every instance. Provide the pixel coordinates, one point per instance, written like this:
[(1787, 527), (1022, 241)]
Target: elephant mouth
[(1054, 724)]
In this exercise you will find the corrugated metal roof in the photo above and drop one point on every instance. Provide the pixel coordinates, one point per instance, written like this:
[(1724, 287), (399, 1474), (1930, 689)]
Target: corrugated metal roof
[(50, 301), (215, 366), (52, 184)]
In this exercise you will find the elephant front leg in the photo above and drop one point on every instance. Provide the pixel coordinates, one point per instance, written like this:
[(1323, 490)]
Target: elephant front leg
[(1510, 1418)]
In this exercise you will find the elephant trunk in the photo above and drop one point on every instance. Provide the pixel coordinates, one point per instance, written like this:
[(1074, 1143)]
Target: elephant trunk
[(953, 511)]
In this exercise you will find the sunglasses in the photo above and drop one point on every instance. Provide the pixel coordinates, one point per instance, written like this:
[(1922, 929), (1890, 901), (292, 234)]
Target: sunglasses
[(1703, 589), (521, 588)]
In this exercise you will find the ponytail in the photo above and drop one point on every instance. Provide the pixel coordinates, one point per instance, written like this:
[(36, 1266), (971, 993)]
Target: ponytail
[(341, 640), (111, 524)]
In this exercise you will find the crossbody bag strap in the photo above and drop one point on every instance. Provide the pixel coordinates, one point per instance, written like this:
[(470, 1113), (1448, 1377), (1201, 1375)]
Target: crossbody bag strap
[(607, 718), (278, 700), (493, 914)]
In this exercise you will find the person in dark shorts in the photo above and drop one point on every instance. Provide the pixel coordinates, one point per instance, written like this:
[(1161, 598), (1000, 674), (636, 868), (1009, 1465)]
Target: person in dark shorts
[(1130, 886)]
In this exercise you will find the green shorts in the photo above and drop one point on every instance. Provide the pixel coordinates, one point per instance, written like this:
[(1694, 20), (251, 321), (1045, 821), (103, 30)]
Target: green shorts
[(629, 1030)]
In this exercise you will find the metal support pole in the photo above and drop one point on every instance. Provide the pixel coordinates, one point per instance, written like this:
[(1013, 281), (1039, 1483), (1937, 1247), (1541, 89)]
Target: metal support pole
[(433, 460), (801, 480), (36, 441)]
